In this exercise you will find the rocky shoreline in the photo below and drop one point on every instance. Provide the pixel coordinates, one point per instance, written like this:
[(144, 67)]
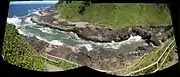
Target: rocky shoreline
[(98, 58), (152, 34)]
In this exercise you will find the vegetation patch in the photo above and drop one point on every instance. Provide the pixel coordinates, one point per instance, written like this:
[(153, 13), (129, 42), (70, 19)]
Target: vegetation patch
[(115, 14), (153, 57), (61, 63), (17, 51)]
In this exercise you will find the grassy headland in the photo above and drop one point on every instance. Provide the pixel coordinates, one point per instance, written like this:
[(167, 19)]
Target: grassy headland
[(116, 15)]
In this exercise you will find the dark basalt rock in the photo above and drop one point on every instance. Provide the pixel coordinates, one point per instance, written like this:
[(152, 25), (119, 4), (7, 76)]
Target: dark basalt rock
[(83, 58), (83, 49), (100, 59), (61, 51), (102, 34), (120, 35), (141, 32), (155, 41), (37, 44)]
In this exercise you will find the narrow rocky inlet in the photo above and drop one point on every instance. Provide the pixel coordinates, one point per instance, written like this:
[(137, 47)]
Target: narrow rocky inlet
[(98, 58), (117, 39), (154, 34)]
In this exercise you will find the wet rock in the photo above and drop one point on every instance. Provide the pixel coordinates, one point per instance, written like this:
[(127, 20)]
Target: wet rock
[(39, 45), (83, 49), (151, 44), (103, 34), (155, 41), (92, 34), (83, 58), (103, 60), (121, 35), (61, 51), (164, 39), (141, 32)]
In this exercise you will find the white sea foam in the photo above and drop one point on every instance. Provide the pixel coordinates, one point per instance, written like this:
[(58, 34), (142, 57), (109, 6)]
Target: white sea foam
[(21, 32), (28, 20), (135, 38), (17, 22), (36, 12), (56, 42), (14, 20), (87, 46), (116, 45), (46, 30), (53, 42), (40, 38)]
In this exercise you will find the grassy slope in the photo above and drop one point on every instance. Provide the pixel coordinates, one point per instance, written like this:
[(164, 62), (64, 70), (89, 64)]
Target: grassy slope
[(17, 51), (117, 15), (151, 58), (61, 64)]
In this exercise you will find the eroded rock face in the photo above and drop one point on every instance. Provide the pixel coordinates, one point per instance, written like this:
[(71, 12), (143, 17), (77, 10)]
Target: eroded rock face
[(155, 35), (103, 34), (100, 59)]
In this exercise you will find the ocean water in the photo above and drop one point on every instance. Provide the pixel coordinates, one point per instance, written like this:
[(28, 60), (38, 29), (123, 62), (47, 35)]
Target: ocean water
[(22, 8), (20, 14)]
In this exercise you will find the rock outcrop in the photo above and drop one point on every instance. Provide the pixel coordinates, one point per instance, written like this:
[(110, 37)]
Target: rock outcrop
[(153, 34), (97, 58)]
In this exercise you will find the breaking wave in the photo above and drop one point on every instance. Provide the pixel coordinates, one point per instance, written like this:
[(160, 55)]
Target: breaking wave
[(14, 20)]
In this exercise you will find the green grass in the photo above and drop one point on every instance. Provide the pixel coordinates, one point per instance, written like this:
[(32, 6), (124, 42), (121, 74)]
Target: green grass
[(17, 51), (61, 63), (151, 58), (117, 15)]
